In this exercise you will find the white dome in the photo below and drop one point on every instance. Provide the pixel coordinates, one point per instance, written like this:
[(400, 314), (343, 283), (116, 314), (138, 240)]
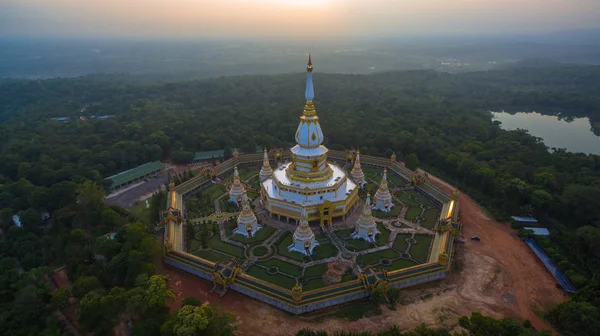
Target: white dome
[(309, 133)]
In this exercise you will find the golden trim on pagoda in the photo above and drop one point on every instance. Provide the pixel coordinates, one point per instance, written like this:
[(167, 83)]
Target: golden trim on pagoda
[(247, 222), (357, 173), (236, 190), (304, 237), (383, 198), (266, 171), (366, 228)]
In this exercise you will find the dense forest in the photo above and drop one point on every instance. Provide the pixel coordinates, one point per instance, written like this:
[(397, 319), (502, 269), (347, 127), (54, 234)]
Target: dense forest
[(438, 120)]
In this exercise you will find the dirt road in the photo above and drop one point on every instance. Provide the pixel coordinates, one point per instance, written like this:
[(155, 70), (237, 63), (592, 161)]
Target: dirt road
[(499, 276)]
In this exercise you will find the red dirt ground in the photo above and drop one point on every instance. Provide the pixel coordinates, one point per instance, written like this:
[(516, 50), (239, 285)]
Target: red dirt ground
[(500, 276), (533, 287)]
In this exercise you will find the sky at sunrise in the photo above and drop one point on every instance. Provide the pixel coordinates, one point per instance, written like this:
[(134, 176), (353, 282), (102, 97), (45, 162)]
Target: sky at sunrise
[(291, 18)]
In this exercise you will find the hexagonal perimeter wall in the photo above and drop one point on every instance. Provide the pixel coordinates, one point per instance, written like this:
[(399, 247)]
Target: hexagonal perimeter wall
[(432, 268)]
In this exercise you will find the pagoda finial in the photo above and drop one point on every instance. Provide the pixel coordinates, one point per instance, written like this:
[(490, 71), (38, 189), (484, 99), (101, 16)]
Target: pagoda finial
[(309, 93)]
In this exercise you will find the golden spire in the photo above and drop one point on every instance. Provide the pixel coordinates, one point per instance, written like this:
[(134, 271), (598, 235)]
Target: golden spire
[(309, 67)]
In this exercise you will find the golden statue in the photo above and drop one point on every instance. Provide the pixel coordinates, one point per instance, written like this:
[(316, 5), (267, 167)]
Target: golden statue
[(455, 195), (443, 259), (297, 292)]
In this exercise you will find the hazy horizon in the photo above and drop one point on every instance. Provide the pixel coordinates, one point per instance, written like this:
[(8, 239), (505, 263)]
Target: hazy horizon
[(290, 19)]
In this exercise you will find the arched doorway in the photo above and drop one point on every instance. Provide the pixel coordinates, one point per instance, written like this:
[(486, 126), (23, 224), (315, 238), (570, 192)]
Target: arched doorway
[(326, 213)]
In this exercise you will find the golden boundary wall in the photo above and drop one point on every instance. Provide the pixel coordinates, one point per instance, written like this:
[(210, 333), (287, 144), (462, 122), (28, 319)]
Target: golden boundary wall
[(295, 300)]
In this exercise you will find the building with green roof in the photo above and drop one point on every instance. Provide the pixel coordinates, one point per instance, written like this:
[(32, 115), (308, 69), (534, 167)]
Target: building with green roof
[(135, 174)]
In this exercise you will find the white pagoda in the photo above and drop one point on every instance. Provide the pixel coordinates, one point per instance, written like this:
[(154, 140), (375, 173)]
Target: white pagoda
[(309, 179), (266, 171), (304, 238), (383, 198), (237, 188), (247, 225), (357, 173), (366, 228)]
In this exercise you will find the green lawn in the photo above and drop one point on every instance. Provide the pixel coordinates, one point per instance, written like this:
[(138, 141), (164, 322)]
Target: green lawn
[(400, 243), (398, 264), (344, 233), (313, 284), (230, 225), (277, 279), (394, 213), (323, 251), (213, 256), (420, 250), (358, 244), (361, 244), (373, 258), (431, 217), (348, 277), (412, 213), (423, 200), (227, 206), (393, 181), (245, 173), (215, 243), (260, 236), (404, 198), (383, 236), (282, 248), (317, 270), (260, 251), (283, 266), (202, 203)]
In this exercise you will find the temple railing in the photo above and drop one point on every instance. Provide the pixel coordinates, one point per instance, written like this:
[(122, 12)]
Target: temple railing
[(283, 298)]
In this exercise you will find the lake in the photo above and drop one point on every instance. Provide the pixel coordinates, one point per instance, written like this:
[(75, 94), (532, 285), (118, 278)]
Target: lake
[(575, 135)]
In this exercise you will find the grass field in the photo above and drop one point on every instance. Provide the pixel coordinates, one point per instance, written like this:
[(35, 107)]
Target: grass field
[(412, 213), (394, 213), (323, 251), (282, 248), (227, 206), (384, 234), (317, 270), (431, 217), (245, 173), (404, 198), (278, 279), (398, 264), (260, 236), (358, 244), (420, 250), (373, 258), (283, 266), (215, 243), (203, 203), (400, 243), (213, 256)]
